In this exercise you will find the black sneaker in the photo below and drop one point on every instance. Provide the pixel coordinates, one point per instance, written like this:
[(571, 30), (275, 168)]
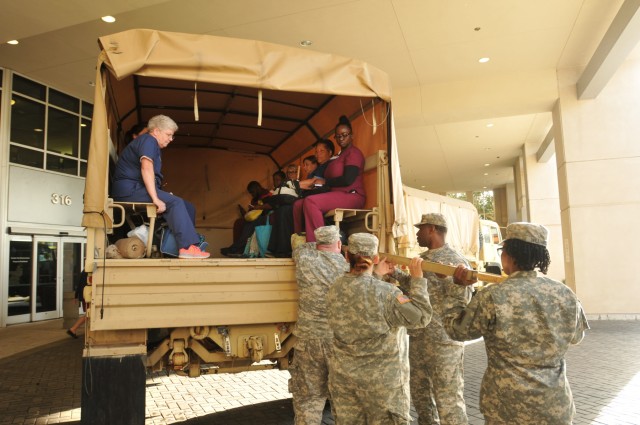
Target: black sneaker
[(229, 252)]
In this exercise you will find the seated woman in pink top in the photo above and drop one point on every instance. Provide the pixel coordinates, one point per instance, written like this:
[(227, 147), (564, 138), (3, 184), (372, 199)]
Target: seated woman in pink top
[(343, 177)]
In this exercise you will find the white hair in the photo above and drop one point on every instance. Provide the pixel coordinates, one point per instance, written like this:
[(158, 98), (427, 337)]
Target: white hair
[(162, 122)]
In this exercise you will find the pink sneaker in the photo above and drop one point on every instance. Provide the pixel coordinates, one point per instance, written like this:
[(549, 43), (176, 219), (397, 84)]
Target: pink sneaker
[(193, 252)]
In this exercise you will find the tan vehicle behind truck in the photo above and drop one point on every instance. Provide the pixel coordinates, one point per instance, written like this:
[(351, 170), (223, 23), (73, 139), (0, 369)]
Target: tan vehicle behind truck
[(244, 109)]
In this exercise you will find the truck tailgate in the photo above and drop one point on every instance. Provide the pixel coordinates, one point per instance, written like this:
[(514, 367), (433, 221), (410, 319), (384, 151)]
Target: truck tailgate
[(168, 293)]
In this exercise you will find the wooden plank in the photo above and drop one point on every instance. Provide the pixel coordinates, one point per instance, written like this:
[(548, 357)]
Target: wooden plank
[(444, 269)]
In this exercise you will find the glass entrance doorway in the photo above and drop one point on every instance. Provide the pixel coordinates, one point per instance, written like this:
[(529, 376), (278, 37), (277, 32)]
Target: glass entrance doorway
[(40, 268)]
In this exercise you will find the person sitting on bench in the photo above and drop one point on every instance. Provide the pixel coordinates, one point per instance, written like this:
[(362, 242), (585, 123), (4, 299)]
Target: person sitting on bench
[(138, 178), (250, 220), (343, 177)]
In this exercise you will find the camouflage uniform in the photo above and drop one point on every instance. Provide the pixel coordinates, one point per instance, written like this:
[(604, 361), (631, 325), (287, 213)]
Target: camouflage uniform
[(368, 377), (437, 383), (315, 272), (528, 322)]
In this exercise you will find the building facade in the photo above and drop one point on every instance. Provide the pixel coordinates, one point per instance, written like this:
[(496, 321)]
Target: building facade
[(44, 140)]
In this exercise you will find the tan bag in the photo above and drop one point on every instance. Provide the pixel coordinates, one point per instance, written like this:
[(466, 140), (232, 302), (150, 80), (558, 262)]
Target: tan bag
[(131, 247)]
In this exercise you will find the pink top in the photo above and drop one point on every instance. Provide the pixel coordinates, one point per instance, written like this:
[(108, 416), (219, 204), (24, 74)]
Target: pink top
[(349, 156)]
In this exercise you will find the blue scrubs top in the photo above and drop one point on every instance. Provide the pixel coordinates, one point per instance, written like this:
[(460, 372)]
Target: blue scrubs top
[(127, 178)]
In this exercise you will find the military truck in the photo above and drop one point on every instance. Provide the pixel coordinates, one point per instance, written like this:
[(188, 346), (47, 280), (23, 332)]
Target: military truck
[(244, 109)]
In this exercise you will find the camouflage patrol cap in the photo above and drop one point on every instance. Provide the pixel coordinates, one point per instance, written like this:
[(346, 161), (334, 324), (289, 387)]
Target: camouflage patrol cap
[(364, 244), (528, 232), (326, 235), (436, 219)]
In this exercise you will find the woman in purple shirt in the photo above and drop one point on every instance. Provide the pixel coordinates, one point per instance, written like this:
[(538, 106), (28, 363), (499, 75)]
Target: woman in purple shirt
[(343, 177)]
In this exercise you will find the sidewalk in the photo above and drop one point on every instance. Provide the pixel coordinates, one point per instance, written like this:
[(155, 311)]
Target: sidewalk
[(24, 339), (41, 383)]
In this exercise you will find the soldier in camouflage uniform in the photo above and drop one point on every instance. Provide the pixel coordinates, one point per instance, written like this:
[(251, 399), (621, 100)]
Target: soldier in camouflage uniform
[(528, 322), (318, 265), (368, 377), (437, 383)]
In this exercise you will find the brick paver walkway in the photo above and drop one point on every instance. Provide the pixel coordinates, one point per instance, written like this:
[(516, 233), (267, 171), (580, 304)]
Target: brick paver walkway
[(44, 386)]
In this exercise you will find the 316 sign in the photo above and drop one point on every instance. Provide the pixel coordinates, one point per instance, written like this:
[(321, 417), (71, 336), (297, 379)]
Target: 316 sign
[(60, 199)]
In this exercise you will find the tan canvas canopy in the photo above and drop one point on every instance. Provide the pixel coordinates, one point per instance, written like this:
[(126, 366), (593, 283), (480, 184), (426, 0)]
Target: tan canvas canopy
[(247, 63), (195, 60)]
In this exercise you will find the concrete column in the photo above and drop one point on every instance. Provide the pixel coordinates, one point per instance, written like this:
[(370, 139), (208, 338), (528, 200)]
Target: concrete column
[(512, 214), (501, 206), (469, 195), (598, 159), (544, 205), (522, 208)]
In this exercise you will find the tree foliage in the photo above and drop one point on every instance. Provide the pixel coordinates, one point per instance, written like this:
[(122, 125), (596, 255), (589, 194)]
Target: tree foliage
[(483, 201)]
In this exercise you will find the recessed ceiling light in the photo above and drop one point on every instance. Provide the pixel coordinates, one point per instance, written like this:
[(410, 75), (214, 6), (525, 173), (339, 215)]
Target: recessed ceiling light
[(306, 43), (92, 84), (423, 187), (487, 164), (490, 125), (484, 60), (484, 187), (108, 19), (14, 42), (486, 174)]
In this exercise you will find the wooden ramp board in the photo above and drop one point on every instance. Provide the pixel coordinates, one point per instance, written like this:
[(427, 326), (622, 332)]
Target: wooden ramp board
[(445, 269)]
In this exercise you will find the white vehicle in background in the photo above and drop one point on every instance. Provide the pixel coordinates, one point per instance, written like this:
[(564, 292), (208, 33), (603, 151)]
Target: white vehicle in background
[(477, 239), (490, 240)]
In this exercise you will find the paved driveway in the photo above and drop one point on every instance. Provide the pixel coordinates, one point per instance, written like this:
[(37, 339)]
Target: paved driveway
[(43, 386)]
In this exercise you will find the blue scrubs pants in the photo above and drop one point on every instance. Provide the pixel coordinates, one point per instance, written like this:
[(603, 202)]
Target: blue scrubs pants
[(180, 214)]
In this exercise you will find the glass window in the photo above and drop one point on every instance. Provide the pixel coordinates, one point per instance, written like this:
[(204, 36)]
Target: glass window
[(495, 236), (1, 75), (83, 169), (87, 109), (29, 88), (62, 164), (85, 136), (64, 100), (47, 270), (67, 133), (19, 289), (62, 133), (27, 122), (25, 156)]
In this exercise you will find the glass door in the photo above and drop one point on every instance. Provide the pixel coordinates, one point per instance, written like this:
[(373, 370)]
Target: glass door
[(47, 279), (20, 279), (40, 269), (72, 265)]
